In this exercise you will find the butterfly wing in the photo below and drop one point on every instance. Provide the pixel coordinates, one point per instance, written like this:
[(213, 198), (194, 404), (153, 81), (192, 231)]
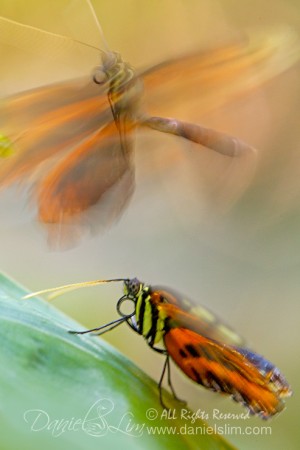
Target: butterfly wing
[(187, 314), (96, 178), (246, 376), (45, 122), (63, 139), (218, 74)]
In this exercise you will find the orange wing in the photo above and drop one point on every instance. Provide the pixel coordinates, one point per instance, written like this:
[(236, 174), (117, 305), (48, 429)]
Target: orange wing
[(63, 139), (216, 75), (246, 376), (95, 179), (48, 121)]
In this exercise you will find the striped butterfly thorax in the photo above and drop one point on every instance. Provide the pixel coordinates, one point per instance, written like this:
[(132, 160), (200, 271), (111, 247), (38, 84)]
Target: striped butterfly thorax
[(73, 141), (208, 351)]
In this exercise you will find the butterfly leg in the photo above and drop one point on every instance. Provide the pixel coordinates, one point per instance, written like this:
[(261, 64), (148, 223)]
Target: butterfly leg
[(166, 368), (104, 328), (170, 383)]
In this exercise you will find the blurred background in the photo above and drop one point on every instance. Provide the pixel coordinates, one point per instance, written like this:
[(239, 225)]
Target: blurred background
[(224, 232)]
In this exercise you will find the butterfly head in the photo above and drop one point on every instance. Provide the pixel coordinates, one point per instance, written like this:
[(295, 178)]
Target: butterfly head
[(132, 287), (132, 290), (112, 68)]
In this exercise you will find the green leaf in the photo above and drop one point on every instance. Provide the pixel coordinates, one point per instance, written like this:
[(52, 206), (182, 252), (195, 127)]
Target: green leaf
[(64, 391)]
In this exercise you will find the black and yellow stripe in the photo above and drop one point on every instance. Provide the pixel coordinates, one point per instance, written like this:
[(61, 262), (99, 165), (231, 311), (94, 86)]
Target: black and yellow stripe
[(150, 319)]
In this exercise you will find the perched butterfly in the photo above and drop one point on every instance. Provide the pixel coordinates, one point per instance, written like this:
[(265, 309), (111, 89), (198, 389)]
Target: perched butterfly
[(206, 350), (73, 141)]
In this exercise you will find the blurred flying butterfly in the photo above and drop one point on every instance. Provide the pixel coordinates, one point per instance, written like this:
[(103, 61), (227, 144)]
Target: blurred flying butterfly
[(204, 348), (74, 140)]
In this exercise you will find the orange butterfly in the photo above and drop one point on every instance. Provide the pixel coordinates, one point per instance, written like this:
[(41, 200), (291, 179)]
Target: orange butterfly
[(74, 140), (205, 349)]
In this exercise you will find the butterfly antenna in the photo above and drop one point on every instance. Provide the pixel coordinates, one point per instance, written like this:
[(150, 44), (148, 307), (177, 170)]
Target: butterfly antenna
[(92, 9), (60, 290)]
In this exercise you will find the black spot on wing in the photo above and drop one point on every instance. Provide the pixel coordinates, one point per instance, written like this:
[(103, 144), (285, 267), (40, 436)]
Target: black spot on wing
[(182, 353), (197, 376), (192, 350)]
